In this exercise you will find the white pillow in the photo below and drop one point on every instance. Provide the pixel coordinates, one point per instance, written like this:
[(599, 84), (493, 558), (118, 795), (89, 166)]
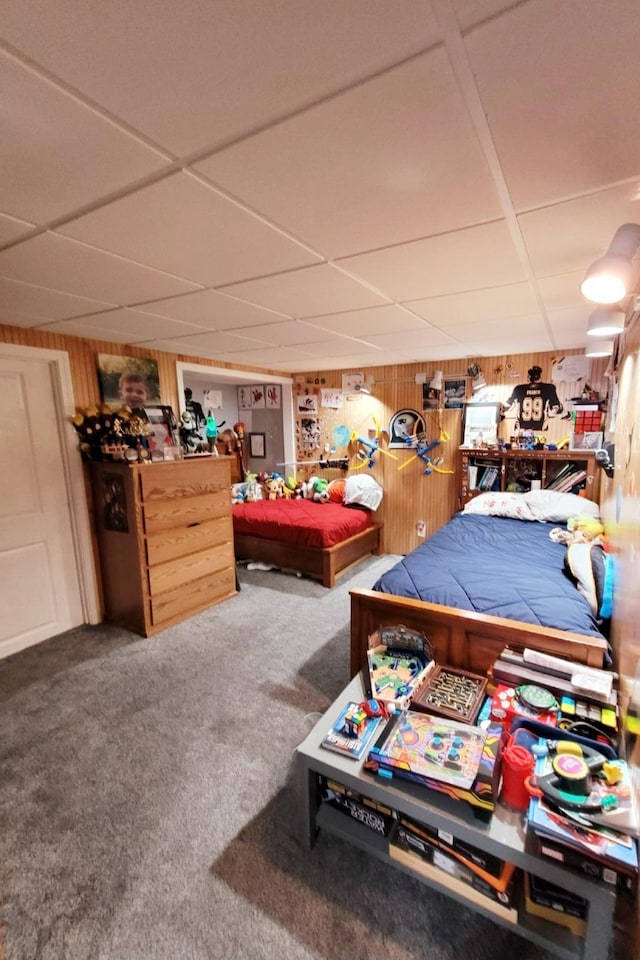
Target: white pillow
[(363, 490), (496, 504), (554, 507)]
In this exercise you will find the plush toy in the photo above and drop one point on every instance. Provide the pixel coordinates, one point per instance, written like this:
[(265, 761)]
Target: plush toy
[(316, 489), (589, 527), (239, 492), (580, 529), (274, 487)]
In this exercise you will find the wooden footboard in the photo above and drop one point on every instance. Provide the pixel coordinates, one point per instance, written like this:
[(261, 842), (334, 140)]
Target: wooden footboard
[(462, 638), (320, 564)]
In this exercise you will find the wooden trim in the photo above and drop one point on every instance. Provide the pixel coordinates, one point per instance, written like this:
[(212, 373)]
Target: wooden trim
[(462, 638), (324, 564)]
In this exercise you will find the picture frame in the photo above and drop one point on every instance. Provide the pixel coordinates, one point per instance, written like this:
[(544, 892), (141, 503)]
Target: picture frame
[(164, 424), (273, 396), (130, 381), (257, 446), (480, 428), (455, 392)]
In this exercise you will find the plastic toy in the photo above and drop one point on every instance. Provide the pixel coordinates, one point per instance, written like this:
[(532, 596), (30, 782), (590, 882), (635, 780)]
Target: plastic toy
[(367, 449), (423, 452)]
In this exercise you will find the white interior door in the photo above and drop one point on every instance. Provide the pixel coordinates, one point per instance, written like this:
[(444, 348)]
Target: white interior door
[(39, 580)]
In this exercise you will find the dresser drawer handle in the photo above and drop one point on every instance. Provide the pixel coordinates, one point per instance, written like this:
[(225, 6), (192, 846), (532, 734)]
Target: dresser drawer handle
[(196, 523)]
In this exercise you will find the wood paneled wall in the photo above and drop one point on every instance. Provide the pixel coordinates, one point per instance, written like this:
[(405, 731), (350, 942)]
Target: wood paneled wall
[(410, 495), (84, 368)]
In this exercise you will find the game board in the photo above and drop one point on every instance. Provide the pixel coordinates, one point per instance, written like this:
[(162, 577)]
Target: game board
[(432, 748), (452, 693), (394, 674)]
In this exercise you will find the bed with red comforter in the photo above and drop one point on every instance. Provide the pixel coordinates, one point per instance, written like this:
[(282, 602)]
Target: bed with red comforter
[(317, 539)]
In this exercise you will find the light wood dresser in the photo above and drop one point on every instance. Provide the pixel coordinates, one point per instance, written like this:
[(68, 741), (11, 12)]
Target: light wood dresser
[(165, 539)]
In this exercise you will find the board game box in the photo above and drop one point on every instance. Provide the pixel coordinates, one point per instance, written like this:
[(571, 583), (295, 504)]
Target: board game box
[(486, 864), (372, 814), (412, 837), (453, 758)]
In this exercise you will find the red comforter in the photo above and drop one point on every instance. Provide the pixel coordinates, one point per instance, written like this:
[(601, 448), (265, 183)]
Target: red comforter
[(303, 522)]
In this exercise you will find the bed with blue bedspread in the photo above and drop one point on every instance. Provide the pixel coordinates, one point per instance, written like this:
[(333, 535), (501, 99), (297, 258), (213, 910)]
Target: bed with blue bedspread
[(481, 583)]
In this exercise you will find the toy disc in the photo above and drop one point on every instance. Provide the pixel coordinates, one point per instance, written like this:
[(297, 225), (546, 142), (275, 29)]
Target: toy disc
[(341, 436), (537, 698)]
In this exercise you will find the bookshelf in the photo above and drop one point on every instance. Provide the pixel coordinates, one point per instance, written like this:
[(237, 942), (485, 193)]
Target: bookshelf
[(567, 471)]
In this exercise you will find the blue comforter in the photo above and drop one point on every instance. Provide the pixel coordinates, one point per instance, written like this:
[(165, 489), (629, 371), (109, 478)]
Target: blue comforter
[(494, 565)]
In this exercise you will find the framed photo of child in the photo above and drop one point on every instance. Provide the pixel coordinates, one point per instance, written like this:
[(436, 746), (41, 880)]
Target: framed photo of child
[(130, 381)]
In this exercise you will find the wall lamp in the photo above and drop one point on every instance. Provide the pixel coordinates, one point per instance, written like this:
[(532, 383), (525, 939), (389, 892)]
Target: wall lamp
[(608, 279), (598, 348), (606, 321)]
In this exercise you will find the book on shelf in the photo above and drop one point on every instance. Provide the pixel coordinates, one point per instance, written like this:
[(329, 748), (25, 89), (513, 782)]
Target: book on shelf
[(355, 747), (572, 480), (488, 478)]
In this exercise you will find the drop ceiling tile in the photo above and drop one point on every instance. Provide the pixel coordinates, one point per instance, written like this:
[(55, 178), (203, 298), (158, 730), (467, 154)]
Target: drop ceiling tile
[(563, 291), (44, 304), (568, 237), (211, 309), (570, 326), (58, 153), (344, 347), (268, 356), (307, 292), (184, 227), (216, 341), (477, 306), (493, 330), (365, 323), (401, 342), (470, 14), (194, 74), (470, 259), (50, 260), (11, 228), (405, 162), (14, 319), (288, 332), (560, 94), (133, 325)]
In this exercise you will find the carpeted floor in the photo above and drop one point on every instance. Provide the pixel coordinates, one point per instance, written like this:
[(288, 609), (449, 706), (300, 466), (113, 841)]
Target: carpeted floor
[(146, 806)]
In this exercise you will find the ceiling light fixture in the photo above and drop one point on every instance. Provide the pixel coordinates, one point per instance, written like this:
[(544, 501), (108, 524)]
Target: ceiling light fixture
[(606, 321), (608, 279), (599, 348)]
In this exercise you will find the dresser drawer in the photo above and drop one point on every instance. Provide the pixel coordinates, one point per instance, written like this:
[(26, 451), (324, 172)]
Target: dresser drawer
[(197, 594), (175, 573), (187, 479), (181, 541), (161, 515)]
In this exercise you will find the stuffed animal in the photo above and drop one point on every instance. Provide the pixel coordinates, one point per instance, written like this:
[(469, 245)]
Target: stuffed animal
[(274, 487), (316, 489)]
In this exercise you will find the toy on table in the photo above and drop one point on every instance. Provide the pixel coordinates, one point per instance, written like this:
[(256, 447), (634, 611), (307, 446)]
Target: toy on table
[(448, 692), (398, 661), (527, 700)]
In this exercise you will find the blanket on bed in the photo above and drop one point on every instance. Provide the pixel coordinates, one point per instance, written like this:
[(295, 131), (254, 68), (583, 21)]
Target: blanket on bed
[(302, 522), (494, 565)]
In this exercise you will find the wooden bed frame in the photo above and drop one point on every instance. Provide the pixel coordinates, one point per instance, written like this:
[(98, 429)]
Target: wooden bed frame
[(324, 564), (462, 638)]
